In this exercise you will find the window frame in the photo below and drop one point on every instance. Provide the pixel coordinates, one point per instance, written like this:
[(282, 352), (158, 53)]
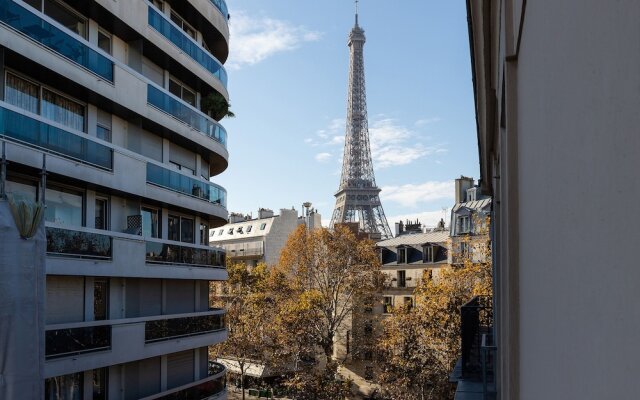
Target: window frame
[(108, 35)]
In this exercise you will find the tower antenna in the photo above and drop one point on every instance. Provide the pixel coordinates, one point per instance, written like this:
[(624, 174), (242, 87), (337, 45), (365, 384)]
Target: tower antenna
[(357, 12)]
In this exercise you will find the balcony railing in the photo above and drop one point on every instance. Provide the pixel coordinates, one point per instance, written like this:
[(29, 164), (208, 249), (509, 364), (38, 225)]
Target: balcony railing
[(73, 341), (35, 133), (185, 43), (177, 182), (202, 389), (172, 328), (476, 319), (182, 112), (169, 253), (30, 24), (71, 243)]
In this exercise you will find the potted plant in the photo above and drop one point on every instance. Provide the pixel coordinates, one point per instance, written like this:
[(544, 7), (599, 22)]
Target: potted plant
[(216, 105)]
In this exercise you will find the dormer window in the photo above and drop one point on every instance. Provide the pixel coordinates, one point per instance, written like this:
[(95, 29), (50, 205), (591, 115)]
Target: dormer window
[(263, 225), (230, 231), (221, 232), (429, 253), (249, 228), (402, 255), (464, 224), (239, 230)]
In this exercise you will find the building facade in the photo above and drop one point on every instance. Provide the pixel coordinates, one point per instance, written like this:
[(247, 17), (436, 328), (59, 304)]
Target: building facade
[(104, 117), (254, 240), (556, 95)]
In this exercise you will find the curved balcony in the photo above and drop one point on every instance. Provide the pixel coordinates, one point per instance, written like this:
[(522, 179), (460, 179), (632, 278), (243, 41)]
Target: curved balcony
[(191, 186), (222, 6), (186, 44), (184, 112), (22, 128), (208, 388), (21, 19)]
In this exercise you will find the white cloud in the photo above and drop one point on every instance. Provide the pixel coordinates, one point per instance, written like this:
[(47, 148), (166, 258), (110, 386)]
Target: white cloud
[(411, 195), (323, 157), (427, 121), (393, 144), (257, 38), (428, 219)]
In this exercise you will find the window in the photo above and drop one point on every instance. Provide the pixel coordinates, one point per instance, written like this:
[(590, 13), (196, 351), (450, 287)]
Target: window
[(402, 278), (429, 253), (464, 249), (263, 225), (150, 222), (100, 299), (402, 255), (183, 25), (66, 16), (102, 213), (249, 228), (34, 98), (221, 232), (204, 234), (183, 92), (187, 228), (159, 4), (64, 206), (70, 386), (464, 225), (173, 228), (387, 304), (408, 302), (230, 232), (103, 127), (100, 384), (104, 41), (239, 230)]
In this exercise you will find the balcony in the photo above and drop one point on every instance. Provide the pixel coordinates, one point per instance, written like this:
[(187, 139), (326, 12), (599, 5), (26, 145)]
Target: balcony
[(190, 186), (75, 243), (74, 341), (186, 44), (30, 24), (475, 371), (22, 128), (161, 252), (206, 388), (81, 346), (174, 328), (222, 6), (183, 112)]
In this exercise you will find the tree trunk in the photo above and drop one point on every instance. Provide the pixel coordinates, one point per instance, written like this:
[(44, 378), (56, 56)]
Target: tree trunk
[(242, 382)]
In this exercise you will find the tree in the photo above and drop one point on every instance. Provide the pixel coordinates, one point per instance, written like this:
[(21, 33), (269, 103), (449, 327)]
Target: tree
[(421, 345), (215, 104), (321, 277), (249, 310)]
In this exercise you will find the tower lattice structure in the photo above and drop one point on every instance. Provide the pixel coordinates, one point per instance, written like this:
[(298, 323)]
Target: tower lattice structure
[(357, 198)]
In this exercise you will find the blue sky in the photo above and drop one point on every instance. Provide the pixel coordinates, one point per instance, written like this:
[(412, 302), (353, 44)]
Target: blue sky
[(288, 72)]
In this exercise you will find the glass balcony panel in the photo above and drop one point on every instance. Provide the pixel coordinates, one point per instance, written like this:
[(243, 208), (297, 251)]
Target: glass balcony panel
[(182, 112), (66, 342), (164, 253), (40, 134), (175, 181), (201, 391), (181, 39), (167, 329), (33, 26), (65, 242)]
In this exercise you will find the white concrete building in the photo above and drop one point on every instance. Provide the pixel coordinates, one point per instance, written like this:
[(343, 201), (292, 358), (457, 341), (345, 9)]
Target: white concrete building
[(112, 93), (557, 96), (254, 240)]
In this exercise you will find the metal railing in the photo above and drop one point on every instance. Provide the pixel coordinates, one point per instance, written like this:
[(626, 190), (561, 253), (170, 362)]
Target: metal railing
[(74, 243), (172, 328), (158, 252), (73, 341), (188, 185), (476, 319), (28, 23)]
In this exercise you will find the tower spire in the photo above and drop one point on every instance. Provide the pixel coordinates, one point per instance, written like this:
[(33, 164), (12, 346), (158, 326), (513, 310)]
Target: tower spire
[(357, 199)]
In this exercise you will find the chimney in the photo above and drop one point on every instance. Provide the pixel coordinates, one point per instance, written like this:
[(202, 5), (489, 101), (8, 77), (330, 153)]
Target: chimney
[(236, 217), (265, 213), (462, 185)]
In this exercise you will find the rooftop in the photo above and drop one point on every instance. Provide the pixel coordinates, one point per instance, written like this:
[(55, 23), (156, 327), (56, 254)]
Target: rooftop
[(416, 239)]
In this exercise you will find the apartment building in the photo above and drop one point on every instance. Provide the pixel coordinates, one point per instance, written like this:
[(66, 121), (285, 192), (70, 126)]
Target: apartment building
[(556, 98), (254, 240), (103, 117)]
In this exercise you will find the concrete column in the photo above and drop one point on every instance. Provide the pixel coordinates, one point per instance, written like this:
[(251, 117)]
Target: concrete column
[(163, 373), (93, 31), (165, 150), (92, 119), (164, 296), (87, 387), (88, 299), (165, 223), (196, 364), (90, 212)]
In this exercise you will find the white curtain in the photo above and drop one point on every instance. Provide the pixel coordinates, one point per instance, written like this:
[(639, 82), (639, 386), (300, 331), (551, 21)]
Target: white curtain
[(62, 110), (21, 93)]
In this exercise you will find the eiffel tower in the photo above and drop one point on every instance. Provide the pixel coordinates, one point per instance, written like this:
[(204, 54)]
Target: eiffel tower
[(357, 199)]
